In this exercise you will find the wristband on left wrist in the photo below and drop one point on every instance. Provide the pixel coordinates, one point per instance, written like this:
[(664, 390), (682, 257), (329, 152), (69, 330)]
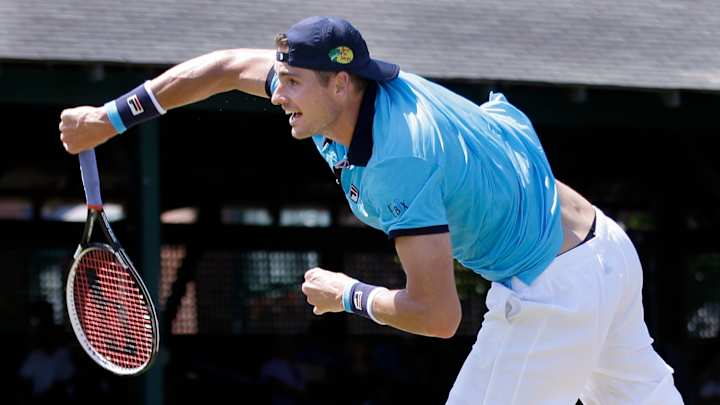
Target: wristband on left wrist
[(358, 299)]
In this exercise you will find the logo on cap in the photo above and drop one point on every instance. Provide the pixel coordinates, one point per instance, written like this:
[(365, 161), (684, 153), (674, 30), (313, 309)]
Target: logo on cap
[(342, 55)]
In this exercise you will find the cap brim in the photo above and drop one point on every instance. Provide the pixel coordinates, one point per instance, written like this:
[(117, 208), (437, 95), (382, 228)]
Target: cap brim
[(379, 71)]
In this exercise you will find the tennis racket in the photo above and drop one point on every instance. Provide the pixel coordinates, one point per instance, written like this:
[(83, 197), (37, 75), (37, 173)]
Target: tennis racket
[(108, 305)]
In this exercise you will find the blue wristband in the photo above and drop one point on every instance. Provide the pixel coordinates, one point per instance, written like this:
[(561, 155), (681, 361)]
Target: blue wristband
[(114, 117), (358, 295), (347, 305), (132, 108)]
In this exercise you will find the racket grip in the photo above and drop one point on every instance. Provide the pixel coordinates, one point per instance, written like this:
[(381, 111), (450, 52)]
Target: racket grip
[(90, 178)]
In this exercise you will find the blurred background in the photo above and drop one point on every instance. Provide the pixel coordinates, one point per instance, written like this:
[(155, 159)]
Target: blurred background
[(222, 211)]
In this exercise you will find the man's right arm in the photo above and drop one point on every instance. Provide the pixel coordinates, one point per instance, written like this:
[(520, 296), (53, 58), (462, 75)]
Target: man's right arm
[(216, 72), (246, 70)]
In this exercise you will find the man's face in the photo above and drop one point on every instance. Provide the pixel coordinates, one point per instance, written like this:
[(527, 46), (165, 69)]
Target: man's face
[(310, 104)]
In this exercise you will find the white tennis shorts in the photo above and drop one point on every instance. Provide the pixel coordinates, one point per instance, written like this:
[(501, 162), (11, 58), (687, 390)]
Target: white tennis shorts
[(576, 332)]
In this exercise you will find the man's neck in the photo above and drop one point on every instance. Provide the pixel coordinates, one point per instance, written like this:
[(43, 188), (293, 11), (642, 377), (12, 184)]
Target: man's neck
[(344, 127)]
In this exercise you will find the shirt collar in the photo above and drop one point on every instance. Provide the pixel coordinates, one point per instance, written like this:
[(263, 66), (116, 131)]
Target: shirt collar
[(361, 144)]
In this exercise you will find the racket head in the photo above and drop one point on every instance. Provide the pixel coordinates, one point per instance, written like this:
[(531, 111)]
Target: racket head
[(111, 311)]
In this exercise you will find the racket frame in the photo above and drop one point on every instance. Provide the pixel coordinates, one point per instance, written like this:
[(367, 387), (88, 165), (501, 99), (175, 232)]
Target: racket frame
[(95, 216)]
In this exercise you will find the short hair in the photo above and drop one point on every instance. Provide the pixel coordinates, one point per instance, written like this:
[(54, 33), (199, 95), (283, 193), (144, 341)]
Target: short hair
[(281, 40), (360, 83)]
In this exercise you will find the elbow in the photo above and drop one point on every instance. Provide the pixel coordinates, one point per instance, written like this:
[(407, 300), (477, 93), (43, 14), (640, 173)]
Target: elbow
[(227, 66), (444, 324)]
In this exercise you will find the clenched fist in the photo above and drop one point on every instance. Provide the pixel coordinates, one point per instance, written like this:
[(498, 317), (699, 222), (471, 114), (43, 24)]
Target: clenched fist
[(84, 128), (324, 290)]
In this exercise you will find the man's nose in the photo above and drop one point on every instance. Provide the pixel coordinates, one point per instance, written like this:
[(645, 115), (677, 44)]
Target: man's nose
[(278, 98)]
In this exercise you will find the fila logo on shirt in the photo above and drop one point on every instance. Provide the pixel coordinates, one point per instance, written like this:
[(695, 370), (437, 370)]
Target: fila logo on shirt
[(135, 105), (357, 300), (354, 193)]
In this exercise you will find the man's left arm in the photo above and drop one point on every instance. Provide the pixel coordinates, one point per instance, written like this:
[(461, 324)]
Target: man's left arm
[(428, 305)]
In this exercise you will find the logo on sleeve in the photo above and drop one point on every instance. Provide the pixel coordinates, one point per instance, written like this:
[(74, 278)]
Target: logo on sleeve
[(354, 193), (135, 106), (397, 207)]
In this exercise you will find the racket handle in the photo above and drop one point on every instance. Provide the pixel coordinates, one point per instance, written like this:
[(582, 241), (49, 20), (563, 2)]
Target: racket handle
[(90, 178)]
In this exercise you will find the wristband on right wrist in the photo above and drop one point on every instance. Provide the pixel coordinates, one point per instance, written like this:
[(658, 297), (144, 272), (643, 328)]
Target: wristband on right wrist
[(132, 108), (114, 117)]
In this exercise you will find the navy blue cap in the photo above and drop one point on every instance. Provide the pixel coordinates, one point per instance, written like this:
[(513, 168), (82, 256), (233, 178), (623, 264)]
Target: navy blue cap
[(333, 44)]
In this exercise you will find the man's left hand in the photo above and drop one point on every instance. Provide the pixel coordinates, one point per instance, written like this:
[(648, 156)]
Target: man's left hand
[(324, 290)]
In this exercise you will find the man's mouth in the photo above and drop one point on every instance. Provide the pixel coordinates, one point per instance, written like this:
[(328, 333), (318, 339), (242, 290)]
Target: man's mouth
[(294, 117)]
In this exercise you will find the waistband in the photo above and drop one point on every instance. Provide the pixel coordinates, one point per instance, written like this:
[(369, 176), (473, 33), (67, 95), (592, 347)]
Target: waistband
[(590, 234), (575, 256)]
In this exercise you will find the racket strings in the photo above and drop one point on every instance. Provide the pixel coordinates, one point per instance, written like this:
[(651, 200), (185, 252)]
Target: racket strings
[(112, 310)]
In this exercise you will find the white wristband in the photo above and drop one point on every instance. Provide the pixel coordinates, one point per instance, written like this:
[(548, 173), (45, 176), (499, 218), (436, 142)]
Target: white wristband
[(157, 105), (370, 300)]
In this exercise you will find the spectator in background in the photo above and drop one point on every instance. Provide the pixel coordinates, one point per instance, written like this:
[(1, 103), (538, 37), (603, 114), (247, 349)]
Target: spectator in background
[(47, 370), (282, 374), (709, 393)]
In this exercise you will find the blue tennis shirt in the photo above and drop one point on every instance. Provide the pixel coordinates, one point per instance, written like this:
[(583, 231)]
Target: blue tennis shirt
[(425, 160)]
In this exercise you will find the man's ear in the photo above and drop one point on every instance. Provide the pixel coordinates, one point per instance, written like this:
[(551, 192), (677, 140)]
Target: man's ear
[(342, 82)]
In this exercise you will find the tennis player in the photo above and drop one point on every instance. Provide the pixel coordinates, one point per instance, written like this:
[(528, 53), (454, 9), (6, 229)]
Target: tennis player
[(444, 178)]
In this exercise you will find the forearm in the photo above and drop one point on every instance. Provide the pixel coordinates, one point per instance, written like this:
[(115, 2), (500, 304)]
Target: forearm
[(428, 305), (85, 127), (213, 73), (421, 316)]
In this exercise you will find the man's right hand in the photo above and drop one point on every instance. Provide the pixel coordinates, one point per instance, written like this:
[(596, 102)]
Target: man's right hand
[(84, 128)]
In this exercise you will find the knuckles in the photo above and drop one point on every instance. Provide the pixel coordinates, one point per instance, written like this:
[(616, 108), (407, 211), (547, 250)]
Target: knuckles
[(312, 273)]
